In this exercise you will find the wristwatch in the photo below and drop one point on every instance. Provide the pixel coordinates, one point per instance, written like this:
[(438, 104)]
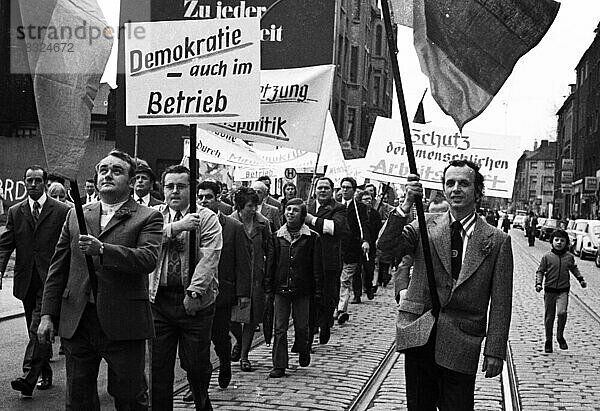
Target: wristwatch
[(192, 294), (101, 249)]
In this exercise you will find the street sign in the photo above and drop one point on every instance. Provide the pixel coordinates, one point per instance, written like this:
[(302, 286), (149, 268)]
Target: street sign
[(290, 173)]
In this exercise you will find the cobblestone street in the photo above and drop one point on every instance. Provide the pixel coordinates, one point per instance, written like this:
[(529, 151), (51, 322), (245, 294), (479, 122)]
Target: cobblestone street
[(564, 380)]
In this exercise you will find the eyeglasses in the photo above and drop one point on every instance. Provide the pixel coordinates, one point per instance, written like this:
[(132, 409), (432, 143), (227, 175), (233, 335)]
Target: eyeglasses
[(347, 187), (180, 187), (207, 196)]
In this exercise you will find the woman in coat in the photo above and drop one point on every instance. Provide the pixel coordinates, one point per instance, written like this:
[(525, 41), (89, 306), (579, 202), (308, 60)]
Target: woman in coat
[(258, 229)]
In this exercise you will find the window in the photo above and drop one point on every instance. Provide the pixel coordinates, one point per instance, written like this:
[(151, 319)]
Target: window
[(533, 165), (25, 132), (344, 62), (376, 89), (354, 64), (340, 51), (378, 40), (548, 192), (549, 164), (351, 130)]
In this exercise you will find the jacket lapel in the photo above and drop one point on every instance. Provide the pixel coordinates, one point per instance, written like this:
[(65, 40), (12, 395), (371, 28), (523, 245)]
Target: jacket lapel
[(131, 205), (440, 234), (46, 210), (92, 218), (27, 213), (475, 253)]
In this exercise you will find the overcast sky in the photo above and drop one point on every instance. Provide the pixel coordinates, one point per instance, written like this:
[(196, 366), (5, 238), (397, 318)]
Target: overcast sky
[(526, 105)]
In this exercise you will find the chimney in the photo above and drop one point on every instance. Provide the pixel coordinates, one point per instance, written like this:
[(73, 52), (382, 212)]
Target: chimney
[(535, 145), (544, 143)]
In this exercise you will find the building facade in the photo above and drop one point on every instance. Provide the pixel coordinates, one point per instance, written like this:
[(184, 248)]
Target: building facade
[(578, 138), (534, 180)]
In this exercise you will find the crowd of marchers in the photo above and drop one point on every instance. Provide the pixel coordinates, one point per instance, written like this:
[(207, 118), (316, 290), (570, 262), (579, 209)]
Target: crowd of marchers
[(257, 260)]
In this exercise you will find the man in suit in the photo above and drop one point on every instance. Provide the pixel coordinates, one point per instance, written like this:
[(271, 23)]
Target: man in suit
[(144, 180), (354, 245), (473, 267), (90, 192), (266, 180), (234, 281), (114, 320), (328, 218), (270, 212), (32, 229), (183, 297)]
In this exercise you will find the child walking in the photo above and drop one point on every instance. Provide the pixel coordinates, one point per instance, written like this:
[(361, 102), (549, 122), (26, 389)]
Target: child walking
[(554, 271)]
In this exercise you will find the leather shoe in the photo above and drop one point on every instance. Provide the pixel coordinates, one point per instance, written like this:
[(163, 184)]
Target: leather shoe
[(324, 335), (355, 300), (245, 365), (188, 396), (370, 294), (277, 373), (562, 343), (20, 384), (224, 374), (304, 359), (45, 382), (548, 347), (236, 353), (343, 317)]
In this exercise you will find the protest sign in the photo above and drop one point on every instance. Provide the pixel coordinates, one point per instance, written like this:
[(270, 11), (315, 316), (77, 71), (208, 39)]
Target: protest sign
[(192, 71), (386, 158), (215, 149), (293, 107)]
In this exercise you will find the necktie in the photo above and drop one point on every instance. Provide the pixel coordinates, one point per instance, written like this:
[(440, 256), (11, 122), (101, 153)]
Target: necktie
[(174, 263), (36, 211), (456, 243), (141, 201)]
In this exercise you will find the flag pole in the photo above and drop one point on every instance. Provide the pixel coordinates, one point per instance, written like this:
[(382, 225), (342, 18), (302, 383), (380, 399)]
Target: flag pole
[(393, 50), (193, 178)]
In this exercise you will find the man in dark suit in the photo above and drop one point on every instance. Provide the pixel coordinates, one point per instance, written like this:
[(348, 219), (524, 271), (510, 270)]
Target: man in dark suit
[(144, 181), (270, 212), (266, 180), (183, 296), (90, 192), (354, 245), (473, 270), (32, 229), (114, 321), (328, 218), (234, 279)]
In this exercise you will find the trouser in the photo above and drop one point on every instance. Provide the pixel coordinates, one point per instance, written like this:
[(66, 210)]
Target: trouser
[(531, 238), (244, 335), (125, 359), (363, 279), (36, 360), (173, 328), (220, 333), (555, 305), (429, 385), (349, 270), (384, 276), (298, 305)]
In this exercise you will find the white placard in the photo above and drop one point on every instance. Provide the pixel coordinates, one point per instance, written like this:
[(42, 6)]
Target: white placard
[(183, 72)]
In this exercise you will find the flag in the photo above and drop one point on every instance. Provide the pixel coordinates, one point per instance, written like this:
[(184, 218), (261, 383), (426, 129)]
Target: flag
[(468, 48), (420, 113), (66, 78)]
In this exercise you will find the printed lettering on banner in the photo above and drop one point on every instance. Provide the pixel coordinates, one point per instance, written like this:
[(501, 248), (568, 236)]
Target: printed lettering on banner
[(193, 72), (434, 147)]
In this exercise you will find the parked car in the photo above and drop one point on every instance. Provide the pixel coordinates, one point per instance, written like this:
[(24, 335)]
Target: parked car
[(585, 237), (538, 227), (519, 222), (548, 227)]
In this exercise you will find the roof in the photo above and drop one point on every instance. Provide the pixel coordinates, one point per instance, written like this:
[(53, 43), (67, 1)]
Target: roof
[(545, 152)]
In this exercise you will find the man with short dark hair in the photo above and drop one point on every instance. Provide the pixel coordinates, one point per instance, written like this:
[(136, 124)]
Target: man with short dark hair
[(266, 180), (328, 218), (32, 229), (473, 271), (144, 181), (183, 297), (91, 196), (114, 320)]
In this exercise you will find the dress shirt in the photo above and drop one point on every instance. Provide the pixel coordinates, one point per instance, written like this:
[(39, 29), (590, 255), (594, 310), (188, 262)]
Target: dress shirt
[(145, 199), (168, 230), (468, 226), (108, 211), (41, 201)]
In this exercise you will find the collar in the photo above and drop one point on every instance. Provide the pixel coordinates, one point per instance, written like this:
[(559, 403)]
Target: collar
[(41, 201), (283, 232), (468, 223), (111, 208), (145, 199), (173, 212)]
